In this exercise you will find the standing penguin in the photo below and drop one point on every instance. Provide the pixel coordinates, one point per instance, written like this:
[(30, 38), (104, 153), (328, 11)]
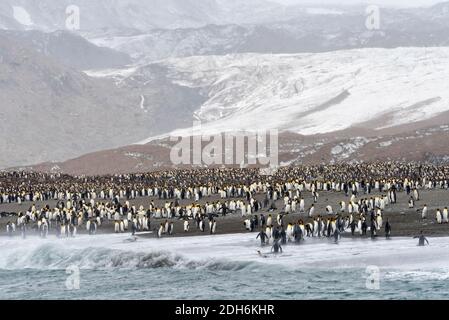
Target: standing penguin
[(387, 230), (439, 217), (263, 237), (269, 220), (321, 228), (302, 204), (289, 232), (186, 226), (379, 221), (411, 203), (311, 210), (342, 206), (93, 228), (336, 236), (214, 227), (445, 215), (315, 228), (63, 234), (416, 194), (424, 212), (166, 226), (268, 232)]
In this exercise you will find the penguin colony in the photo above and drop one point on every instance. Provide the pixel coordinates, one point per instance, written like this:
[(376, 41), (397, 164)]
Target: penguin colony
[(86, 203)]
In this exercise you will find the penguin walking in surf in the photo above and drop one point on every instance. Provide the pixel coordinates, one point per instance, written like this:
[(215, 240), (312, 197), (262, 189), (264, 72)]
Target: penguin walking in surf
[(263, 237), (214, 227), (336, 236), (276, 248), (269, 233), (160, 231), (422, 240), (283, 235), (9, 229), (44, 231), (387, 230), (93, 228)]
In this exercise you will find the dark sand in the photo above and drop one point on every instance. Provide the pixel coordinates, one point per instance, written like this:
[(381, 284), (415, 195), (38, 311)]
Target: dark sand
[(404, 221)]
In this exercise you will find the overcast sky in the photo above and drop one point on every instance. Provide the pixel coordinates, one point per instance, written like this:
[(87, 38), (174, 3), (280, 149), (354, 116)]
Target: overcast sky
[(390, 3)]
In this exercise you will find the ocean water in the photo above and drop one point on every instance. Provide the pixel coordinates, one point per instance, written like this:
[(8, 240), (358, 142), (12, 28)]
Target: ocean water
[(221, 267)]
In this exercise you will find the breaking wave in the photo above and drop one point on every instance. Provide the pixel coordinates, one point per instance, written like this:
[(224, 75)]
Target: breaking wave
[(54, 257)]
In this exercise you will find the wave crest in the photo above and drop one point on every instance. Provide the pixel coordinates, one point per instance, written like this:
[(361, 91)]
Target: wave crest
[(54, 257)]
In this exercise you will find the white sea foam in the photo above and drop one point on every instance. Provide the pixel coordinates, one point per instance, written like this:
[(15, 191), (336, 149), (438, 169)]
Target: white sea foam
[(222, 252)]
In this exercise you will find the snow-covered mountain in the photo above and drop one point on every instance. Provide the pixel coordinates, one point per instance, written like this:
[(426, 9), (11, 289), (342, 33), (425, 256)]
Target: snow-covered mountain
[(127, 15), (311, 30), (152, 30), (313, 70), (312, 93)]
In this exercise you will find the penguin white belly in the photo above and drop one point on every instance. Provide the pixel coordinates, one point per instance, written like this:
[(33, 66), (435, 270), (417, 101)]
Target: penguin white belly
[(379, 223)]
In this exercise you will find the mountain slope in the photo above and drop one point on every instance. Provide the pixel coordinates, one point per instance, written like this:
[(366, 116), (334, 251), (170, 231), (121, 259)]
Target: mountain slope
[(314, 93), (51, 112), (70, 49), (428, 144)]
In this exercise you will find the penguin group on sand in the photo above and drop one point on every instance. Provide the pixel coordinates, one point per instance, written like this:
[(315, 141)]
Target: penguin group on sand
[(90, 205)]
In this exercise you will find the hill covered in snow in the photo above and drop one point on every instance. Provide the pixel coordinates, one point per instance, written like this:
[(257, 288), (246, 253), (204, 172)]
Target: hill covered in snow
[(313, 93)]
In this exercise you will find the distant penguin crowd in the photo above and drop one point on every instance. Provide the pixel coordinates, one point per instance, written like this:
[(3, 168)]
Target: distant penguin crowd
[(194, 201)]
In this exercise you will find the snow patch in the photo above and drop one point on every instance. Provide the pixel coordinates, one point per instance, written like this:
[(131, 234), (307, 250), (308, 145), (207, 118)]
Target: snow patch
[(313, 93), (385, 144), (22, 16), (323, 11)]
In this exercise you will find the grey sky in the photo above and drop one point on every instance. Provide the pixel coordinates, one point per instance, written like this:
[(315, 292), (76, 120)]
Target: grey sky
[(389, 3)]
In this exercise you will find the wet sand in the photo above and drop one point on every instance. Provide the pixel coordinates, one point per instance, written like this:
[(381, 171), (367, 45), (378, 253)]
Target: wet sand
[(404, 221)]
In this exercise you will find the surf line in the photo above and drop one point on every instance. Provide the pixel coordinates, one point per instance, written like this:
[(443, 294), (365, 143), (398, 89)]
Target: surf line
[(186, 310)]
